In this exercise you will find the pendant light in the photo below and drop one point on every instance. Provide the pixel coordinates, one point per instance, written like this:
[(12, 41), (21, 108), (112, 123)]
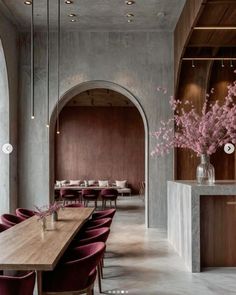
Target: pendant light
[(32, 62), (58, 63)]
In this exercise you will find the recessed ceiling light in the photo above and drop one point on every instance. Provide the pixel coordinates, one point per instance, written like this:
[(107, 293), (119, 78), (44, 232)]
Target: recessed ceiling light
[(161, 14), (129, 15), (73, 20), (72, 15), (68, 1), (130, 20), (28, 2), (130, 2)]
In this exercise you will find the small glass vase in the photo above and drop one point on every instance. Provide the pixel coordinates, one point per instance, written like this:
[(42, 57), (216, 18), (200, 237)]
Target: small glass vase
[(205, 171), (54, 216)]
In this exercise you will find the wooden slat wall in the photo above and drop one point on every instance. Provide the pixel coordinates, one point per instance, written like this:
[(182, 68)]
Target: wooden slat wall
[(101, 143), (183, 30)]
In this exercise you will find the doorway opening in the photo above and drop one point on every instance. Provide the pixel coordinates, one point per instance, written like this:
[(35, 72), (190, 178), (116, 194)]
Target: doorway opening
[(103, 136)]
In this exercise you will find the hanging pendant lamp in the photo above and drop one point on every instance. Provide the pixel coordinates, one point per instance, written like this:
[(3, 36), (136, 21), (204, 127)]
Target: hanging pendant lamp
[(32, 61), (58, 63)]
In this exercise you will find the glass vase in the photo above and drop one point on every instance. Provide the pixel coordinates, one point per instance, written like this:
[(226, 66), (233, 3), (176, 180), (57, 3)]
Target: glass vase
[(205, 171), (43, 223)]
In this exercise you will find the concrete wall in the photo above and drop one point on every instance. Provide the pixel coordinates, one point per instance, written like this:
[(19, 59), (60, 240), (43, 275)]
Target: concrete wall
[(137, 61), (8, 114)]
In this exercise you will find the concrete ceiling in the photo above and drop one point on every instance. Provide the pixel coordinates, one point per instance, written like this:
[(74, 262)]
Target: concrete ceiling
[(98, 14)]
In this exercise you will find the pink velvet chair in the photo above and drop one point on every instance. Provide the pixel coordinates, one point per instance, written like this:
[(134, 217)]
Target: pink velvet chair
[(75, 272), (104, 214), (23, 285), (68, 195), (24, 213), (74, 205), (92, 236), (10, 219)]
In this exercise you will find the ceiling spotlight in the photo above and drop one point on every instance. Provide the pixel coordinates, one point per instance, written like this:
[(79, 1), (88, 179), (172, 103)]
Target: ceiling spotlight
[(47, 125), (72, 15), (58, 132), (130, 2), (73, 20), (231, 64), (68, 1), (28, 2), (129, 15), (222, 63), (130, 20), (32, 117), (193, 65)]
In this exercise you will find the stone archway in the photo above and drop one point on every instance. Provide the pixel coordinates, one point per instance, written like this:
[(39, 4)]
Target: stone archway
[(67, 96)]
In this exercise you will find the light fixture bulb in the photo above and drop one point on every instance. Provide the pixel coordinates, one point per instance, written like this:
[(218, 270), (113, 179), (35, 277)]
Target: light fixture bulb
[(193, 65), (32, 117), (68, 1), (47, 125), (222, 63), (130, 2), (28, 2), (58, 132), (231, 64), (130, 20), (129, 15), (72, 15), (73, 20)]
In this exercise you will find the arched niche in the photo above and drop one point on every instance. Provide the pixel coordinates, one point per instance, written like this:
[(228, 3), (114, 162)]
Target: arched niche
[(67, 96)]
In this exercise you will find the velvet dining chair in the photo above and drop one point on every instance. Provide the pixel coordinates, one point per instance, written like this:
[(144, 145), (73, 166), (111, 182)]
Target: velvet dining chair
[(74, 205), (24, 213), (10, 219), (104, 214), (109, 194), (89, 195), (17, 285), (3, 227), (97, 223), (76, 272)]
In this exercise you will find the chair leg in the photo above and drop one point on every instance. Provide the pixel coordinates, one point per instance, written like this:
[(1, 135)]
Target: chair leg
[(115, 203), (96, 204), (99, 278)]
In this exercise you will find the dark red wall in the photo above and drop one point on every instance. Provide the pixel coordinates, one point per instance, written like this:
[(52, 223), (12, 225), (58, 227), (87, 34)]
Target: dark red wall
[(101, 143)]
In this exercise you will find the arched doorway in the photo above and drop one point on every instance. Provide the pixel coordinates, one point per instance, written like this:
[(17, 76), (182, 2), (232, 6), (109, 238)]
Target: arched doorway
[(4, 135), (86, 86)]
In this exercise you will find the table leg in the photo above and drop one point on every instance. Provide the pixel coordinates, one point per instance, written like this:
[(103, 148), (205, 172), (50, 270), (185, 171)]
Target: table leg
[(39, 282)]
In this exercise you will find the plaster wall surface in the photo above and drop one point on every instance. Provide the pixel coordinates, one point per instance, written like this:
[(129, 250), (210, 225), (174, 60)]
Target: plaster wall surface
[(8, 114), (137, 61)]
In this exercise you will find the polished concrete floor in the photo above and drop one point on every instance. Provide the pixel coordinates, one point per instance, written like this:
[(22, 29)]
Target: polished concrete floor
[(140, 261)]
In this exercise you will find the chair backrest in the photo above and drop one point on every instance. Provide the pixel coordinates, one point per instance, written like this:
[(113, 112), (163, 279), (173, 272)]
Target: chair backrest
[(73, 272), (89, 191), (10, 219), (104, 214), (65, 191), (76, 205), (24, 213), (23, 285), (94, 235), (3, 227), (109, 192), (98, 223)]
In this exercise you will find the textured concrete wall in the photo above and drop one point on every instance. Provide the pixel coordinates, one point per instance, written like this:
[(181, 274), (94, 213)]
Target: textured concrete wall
[(8, 114), (137, 61)]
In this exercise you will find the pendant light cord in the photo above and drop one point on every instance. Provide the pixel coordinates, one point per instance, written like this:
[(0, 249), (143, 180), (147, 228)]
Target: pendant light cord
[(58, 65), (32, 61)]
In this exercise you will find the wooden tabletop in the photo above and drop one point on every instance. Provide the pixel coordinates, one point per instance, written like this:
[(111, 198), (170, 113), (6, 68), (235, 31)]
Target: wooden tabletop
[(26, 247)]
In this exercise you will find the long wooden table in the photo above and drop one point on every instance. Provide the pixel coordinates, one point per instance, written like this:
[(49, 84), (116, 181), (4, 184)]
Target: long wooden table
[(26, 247)]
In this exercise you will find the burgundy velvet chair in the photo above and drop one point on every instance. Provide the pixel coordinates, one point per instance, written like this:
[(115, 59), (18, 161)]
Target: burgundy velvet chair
[(23, 285), (74, 205), (109, 194), (10, 219), (104, 214), (97, 223), (3, 227), (68, 195), (91, 236), (90, 195), (24, 213), (75, 272)]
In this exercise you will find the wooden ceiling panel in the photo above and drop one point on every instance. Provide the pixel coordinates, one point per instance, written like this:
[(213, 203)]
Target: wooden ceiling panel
[(213, 38)]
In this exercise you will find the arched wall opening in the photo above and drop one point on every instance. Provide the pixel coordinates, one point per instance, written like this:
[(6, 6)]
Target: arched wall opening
[(86, 86), (4, 135)]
